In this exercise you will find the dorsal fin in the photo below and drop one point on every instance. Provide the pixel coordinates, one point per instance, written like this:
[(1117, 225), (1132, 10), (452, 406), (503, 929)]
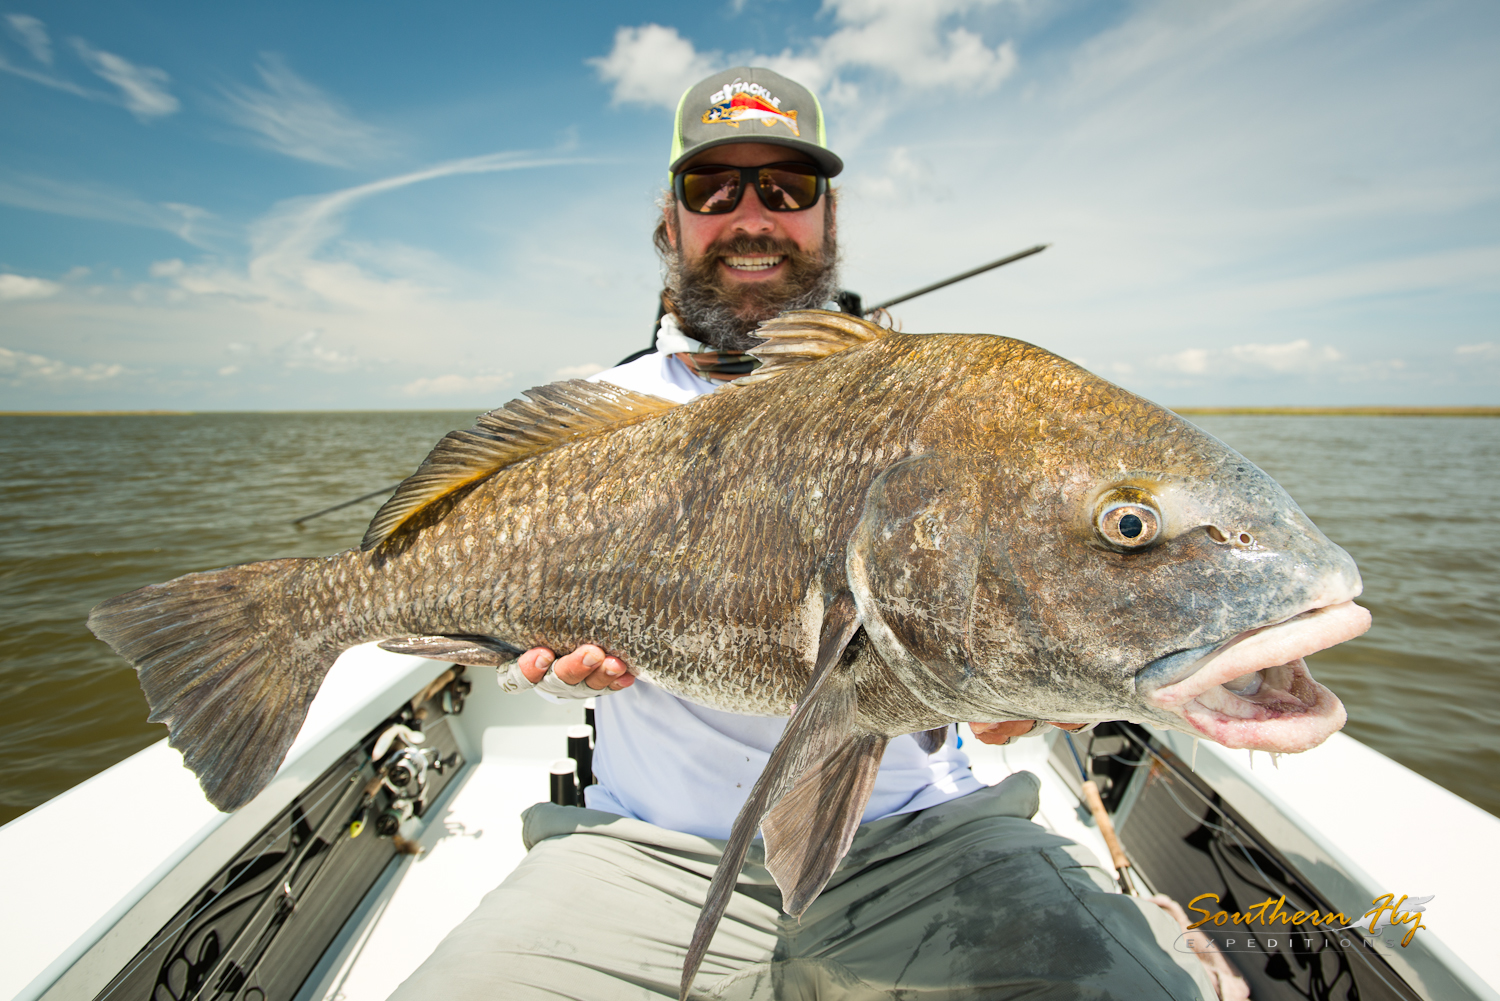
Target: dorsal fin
[(806, 335), (554, 415)]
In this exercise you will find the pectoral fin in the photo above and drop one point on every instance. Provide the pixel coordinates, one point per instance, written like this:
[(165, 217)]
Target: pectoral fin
[(475, 651), (820, 725), (810, 830), (932, 741)]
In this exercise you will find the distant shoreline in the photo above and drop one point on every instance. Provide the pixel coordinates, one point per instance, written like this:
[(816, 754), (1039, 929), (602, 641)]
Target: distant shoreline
[(1205, 411), (1345, 411), (95, 413), (203, 413)]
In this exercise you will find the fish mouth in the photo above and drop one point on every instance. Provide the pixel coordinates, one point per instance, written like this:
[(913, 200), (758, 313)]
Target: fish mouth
[(1254, 690)]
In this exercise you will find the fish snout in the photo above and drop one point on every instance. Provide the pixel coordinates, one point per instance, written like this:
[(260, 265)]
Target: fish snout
[(1254, 690)]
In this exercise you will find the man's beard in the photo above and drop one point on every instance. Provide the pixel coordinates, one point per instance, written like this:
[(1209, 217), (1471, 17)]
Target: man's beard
[(717, 311)]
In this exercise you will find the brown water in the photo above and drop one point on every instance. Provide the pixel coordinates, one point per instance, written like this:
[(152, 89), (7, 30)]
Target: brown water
[(93, 506)]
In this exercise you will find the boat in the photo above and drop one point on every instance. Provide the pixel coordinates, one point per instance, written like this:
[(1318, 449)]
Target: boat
[(399, 806)]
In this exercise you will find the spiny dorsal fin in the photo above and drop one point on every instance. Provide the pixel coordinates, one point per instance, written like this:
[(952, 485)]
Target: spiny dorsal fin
[(806, 335), (554, 415)]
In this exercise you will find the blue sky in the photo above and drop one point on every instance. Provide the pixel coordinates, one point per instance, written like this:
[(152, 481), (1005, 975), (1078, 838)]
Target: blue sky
[(340, 205)]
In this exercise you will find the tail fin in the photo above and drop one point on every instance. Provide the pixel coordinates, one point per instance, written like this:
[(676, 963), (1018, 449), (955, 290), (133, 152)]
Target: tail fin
[(222, 669)]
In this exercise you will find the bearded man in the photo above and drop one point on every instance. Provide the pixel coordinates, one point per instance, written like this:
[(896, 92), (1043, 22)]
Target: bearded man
[(948, 890)]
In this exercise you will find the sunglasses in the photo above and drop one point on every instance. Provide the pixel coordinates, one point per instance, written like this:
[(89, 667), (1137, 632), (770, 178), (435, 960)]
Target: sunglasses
[(782, 187)]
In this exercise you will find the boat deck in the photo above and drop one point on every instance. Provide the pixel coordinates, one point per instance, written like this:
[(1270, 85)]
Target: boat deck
[(103, 875)]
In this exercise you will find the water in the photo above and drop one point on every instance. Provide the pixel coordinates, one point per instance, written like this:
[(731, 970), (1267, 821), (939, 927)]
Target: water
[(93, 506), (1416, 502)]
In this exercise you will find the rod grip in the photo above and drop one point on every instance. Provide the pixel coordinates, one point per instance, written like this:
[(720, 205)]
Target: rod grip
[(1106, 828)]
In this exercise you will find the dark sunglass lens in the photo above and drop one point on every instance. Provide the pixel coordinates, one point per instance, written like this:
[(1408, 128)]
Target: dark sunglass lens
[(788, 189), (711, 191)]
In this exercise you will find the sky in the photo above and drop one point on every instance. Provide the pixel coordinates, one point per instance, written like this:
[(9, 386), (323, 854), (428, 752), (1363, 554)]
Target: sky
[(380, 206)]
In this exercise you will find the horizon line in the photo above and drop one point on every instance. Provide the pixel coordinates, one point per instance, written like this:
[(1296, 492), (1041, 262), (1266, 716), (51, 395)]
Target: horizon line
[(1358, 410)]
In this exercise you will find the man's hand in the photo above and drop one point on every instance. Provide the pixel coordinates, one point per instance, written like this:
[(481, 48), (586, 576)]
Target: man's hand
[(587, 664), (1003, 731)]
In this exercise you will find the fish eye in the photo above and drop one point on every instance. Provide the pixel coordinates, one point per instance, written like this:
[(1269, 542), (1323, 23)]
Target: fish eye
[(1127, 520)]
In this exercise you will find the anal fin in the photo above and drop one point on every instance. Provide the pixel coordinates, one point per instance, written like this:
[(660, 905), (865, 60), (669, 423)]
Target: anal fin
[(820, 726), (474, 651), (810, 830)]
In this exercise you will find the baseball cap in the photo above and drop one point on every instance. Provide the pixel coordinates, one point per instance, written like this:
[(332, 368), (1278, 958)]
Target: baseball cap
[(750, 104)]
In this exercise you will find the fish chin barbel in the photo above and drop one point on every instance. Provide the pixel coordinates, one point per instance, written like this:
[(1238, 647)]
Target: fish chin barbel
[(875, 534)]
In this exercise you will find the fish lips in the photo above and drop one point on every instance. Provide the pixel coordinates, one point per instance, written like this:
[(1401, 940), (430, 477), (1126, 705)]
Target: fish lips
[(1254, 690)]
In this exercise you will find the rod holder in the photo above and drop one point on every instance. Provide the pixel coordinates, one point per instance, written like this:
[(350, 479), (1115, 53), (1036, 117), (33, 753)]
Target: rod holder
[(581, 750), (564, 788)]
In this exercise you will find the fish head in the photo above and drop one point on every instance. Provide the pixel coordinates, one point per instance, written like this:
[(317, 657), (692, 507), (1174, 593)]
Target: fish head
[(1083, 554)]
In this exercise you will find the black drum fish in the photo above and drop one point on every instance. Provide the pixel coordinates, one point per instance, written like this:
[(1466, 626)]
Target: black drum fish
[(875, 534)]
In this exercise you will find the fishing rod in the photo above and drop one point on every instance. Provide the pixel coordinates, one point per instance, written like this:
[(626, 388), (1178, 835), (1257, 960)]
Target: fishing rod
[(958, 278), (339, 507), (1101, 820), (845, 296)]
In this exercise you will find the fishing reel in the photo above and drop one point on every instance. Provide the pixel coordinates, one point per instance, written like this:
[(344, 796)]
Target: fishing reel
[(455, 693), (404, 776)]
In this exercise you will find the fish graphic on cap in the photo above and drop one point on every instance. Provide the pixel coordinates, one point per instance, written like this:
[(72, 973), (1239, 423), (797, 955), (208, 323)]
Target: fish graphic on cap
[(744, 107)]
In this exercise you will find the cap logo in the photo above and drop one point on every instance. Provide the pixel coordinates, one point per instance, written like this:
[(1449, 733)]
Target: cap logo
[(748, 102)]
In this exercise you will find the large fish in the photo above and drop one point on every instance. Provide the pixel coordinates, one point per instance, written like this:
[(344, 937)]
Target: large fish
[(874, 534)]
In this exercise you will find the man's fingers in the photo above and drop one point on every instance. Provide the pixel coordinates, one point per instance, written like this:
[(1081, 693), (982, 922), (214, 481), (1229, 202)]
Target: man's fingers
[(571, 668), (613, 674), (534, 663), (587, 664), (593, 667), (1001, 732), (1004, 730)]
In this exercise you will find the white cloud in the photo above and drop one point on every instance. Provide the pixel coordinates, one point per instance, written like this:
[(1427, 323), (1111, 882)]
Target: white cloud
[(32, 33), (18, 367), (579, 371), (293, 117), (1486, 350), (22, 287), (906, 177), (143, 89), (1294, 356), (55, 82), (459, 389), (311, 352), (911, 41), (916, 43), (285, 267), (93, 201), (1193, 361), (652, 65), (1300, 357)]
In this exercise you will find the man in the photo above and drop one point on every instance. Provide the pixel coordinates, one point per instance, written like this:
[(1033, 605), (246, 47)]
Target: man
[(948, 891)]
